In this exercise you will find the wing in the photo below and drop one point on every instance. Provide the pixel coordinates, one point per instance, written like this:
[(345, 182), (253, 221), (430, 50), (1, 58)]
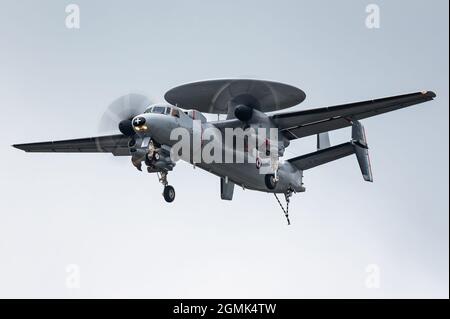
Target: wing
[(304, 123), (223, 124), (115, 144)]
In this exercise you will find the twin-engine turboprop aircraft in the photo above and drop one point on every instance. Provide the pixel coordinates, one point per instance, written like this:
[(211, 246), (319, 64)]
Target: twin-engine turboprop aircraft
[(150, 134)]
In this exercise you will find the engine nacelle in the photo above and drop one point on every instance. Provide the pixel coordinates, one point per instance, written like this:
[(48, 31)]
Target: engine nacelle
[(243, 112)]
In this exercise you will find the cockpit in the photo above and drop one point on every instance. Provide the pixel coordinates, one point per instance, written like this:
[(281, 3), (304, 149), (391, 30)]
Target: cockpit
[(163, 109)]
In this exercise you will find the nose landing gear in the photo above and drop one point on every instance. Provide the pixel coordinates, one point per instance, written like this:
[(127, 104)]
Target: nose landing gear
[(169, 191)]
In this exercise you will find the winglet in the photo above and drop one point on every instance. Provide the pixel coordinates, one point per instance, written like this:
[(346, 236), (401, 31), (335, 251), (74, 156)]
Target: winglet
[(430, 94)]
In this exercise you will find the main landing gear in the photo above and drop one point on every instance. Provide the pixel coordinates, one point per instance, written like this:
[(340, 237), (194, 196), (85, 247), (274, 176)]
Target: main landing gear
[(169, 191), (287, 196), (270, 181)]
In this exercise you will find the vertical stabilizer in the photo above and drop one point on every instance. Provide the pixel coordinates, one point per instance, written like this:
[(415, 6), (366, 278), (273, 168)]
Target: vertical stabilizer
[(359, 142), (323, 141)]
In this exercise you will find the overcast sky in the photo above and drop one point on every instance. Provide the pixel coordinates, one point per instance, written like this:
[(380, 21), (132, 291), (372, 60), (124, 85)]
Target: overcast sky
[(90, 225)]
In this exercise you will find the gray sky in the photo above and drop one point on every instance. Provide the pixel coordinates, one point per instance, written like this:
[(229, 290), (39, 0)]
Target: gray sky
[(99, 213)]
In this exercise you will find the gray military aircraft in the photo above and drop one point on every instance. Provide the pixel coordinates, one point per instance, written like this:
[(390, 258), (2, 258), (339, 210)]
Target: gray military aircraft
[(145, 132)]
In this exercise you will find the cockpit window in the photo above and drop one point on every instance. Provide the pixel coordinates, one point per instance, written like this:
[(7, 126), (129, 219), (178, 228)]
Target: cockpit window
[(175, 113), (159, 109), (163, 110)]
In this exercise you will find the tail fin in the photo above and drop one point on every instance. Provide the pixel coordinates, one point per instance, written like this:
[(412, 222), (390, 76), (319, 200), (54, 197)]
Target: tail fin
[(359, 142), (326, 153), (323, 141)]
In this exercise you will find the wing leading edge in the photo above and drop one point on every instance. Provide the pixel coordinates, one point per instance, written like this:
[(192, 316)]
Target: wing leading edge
[(309, 122), (115, 144)]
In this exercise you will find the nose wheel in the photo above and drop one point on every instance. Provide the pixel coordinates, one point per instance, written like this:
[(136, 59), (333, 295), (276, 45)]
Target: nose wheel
[(169, 191)]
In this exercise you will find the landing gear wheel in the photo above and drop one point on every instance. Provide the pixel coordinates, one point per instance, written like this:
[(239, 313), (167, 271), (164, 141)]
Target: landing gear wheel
[(270, 181), (169, 193)]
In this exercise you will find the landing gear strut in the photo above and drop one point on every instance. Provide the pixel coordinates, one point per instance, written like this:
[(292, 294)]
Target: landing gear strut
[(169, 191), (287, 196)]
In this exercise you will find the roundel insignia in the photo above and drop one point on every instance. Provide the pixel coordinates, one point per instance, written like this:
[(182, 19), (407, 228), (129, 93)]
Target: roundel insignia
[(139, 121), (258, 163)]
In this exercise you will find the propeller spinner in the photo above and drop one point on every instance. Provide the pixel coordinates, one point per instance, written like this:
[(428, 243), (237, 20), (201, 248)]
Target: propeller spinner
[(121, 111)]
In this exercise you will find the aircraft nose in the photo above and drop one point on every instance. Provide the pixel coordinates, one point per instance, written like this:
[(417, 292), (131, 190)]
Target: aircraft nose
[(138, 121), (140, 124)]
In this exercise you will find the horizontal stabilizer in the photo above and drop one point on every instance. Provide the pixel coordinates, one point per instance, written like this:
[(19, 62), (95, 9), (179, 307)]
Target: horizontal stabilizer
[(324, 156)]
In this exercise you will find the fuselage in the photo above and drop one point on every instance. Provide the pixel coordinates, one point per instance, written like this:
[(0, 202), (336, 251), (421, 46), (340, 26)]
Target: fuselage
[(166, 124)]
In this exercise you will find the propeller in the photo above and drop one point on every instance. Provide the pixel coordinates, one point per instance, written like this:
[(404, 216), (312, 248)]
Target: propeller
[(121, 111)]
